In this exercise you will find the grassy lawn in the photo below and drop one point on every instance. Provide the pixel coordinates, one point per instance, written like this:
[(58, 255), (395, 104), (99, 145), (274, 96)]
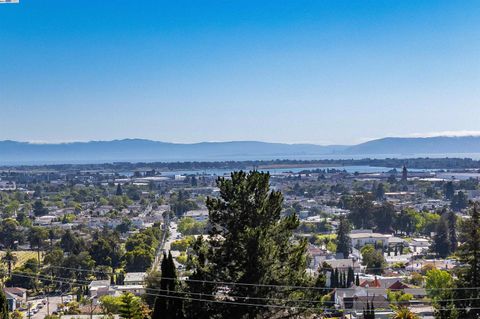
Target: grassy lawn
[(22, 256)]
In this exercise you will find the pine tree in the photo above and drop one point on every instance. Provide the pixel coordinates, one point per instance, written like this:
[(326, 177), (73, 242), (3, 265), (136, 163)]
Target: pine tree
[(343, 239), (130, 307), (250, 242), (357, 280)]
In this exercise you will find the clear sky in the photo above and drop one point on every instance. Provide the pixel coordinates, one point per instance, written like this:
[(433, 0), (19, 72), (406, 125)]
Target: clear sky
[(323, 71)]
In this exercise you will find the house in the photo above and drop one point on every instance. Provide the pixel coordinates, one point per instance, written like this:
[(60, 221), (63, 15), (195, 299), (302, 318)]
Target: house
[(137, 290), (134, 278), (398, 285), (12, 303), (98, 287), (418, 245), (200, 215), (15, 297), (7, 186), (361, 238), (356, 298), (344, 264)]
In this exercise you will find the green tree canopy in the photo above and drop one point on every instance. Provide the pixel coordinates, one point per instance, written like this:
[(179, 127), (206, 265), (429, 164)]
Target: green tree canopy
[(249, 242)]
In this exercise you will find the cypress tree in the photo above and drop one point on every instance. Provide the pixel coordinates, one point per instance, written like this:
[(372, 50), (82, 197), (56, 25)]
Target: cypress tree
[(357, 280), (165, 307), (335, 278), (350, 277), (452, 230), (119, 191)]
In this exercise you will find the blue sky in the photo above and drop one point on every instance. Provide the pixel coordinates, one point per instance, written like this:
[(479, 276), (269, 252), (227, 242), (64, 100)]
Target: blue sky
[(324, 71)]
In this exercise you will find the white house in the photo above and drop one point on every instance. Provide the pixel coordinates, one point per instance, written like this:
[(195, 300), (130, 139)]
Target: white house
[(361, 238), (134, 278)]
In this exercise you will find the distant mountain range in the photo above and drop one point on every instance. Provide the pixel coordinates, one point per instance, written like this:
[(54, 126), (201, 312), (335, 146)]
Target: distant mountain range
[(140, 150)]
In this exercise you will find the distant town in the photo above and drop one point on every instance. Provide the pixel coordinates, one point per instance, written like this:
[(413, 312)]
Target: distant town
[(80, 241)]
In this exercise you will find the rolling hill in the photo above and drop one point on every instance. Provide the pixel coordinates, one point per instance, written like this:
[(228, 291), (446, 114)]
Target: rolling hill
[(136, 150)]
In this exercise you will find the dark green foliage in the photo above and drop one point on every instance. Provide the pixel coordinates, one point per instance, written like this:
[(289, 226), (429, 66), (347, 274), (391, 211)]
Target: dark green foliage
[(380, 192), (343, 239), (105, 249), (3, 305), (449, 190), (37, 237), (180, 203), (168, 308), (39, 208), (251, 243), (71, 243), (468, 302), (452, 230), (459, 201), (350, 277), (130, 307), (373, 259), (441, 241), (141, 249), (361, 212), (384, 217), (119, 191), (10, 233), (369, 312)]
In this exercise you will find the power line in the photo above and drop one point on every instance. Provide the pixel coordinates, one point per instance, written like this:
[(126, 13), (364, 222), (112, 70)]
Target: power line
[(259, 285), (79, 282)]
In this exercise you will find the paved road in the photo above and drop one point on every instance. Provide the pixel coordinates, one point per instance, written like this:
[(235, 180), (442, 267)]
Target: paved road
[(161, 247), (165, 247), (42, 313)]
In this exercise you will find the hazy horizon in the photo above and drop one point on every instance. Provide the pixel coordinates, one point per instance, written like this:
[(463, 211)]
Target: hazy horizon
[(326, 72)]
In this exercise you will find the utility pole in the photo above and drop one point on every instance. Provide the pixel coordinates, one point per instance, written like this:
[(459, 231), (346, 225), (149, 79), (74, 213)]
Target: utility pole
[(29, 313), (48, 301)]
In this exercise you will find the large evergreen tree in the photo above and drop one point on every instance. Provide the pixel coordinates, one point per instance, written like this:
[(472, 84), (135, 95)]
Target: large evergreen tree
[(468, 299), (249, 242), (343, 240)]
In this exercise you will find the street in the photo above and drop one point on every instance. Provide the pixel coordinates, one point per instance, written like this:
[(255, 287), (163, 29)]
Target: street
[(42, 313)]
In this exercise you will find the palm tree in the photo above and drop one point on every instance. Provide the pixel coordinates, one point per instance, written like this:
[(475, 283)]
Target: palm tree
[(403, 312), (9, 259), (37, 237)]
